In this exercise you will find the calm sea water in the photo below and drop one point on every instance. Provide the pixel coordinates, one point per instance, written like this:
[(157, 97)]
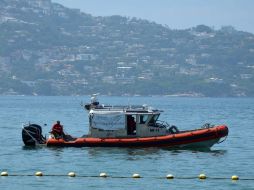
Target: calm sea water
[(232, 157)]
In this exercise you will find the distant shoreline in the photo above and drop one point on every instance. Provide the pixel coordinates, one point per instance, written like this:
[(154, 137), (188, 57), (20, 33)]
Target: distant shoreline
[(129, 95)]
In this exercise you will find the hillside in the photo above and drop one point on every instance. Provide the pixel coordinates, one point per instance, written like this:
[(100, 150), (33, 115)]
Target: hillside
[(47, 49)]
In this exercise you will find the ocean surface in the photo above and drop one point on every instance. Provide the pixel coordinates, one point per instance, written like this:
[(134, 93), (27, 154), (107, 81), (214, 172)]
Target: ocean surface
[(232, 157)]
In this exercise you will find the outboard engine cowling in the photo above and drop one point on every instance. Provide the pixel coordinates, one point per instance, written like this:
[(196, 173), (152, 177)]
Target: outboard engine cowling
[(32, 135)]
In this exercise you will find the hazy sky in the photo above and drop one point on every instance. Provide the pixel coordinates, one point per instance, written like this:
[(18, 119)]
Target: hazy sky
[(177, 14)]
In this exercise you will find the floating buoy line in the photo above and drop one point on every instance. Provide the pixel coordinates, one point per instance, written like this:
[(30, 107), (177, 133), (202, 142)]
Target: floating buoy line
[(135, 175)]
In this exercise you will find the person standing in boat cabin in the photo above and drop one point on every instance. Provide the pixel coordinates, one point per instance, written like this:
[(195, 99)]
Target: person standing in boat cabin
[(131, 125)]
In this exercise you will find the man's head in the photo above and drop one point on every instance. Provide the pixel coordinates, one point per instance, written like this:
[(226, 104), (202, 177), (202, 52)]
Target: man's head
[(58, 122)]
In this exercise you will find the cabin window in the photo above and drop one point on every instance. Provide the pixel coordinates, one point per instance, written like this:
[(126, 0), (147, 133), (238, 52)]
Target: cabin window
[(153, 119), (143, 119)]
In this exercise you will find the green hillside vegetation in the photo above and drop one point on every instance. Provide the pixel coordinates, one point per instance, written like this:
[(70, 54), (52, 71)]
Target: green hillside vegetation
[(47, 49)]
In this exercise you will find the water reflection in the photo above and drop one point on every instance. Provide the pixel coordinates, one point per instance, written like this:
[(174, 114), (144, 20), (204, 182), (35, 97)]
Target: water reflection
[(100, 151), (132, 153), (29, 148), (57, 151), (175, 151)]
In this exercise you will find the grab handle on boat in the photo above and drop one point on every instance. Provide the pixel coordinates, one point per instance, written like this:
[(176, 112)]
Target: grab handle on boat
[(207, 126)]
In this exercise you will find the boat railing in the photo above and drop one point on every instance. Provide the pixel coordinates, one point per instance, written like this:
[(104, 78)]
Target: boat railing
[(120, 107), (162, 124)]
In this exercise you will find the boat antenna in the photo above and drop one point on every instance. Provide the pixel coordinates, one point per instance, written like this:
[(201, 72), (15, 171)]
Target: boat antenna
[(129, 105)]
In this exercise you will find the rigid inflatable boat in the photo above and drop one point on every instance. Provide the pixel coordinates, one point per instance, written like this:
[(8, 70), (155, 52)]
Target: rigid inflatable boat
[(128, 126)]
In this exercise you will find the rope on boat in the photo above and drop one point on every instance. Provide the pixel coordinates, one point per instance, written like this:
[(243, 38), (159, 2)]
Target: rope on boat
[(135, 175), (222, 140)]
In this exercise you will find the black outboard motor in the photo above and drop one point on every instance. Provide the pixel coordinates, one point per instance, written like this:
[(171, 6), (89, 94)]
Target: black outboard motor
[(32, 135)]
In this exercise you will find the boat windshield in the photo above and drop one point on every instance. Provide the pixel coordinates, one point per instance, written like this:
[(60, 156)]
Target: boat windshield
[(153, 119)]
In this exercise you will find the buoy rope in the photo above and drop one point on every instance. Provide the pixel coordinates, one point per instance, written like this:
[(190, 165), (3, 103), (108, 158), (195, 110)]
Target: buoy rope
[(104, 175)]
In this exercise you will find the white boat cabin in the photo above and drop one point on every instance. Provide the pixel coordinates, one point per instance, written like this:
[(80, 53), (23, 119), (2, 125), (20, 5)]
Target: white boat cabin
[(124, 122)]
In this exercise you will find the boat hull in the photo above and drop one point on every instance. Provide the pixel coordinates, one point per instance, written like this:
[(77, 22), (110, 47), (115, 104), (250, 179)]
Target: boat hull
[(200, 138)]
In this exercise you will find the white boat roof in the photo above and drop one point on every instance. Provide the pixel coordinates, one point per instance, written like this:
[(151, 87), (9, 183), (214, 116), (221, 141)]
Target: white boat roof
[(134, 109)]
